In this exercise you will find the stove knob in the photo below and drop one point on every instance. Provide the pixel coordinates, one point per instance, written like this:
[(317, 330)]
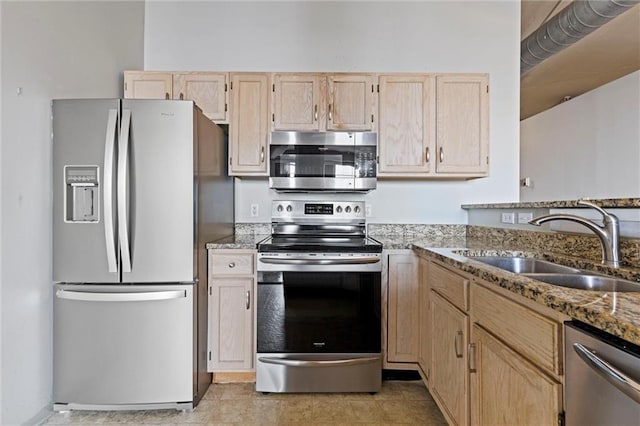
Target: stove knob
[(347, 209), (339, 209), (356, 209), (289, 208), (280, 208)]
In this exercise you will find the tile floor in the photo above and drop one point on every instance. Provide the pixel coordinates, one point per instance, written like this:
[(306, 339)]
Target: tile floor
[(399, 402)]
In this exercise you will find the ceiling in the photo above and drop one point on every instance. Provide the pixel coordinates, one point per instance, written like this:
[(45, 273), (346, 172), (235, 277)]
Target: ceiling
[(608, 53)]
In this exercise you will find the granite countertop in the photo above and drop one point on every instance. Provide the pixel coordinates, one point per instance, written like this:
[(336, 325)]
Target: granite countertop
[(238, 241), (615, 313), (603, 202)]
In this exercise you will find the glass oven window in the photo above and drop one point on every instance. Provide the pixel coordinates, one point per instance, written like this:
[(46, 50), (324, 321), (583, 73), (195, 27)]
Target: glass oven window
[(319, 312), (312, 161)]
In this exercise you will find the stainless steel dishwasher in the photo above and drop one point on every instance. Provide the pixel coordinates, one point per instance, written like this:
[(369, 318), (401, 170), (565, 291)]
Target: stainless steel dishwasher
[(602, 380)]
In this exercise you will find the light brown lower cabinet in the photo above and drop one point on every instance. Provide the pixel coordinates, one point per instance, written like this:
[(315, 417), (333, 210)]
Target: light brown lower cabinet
[(403, 308), (449, 380), (231, 310), (506, 388), (424, 330)]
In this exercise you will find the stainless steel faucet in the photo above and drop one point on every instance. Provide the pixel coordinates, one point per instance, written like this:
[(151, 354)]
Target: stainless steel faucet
[(609, 233)]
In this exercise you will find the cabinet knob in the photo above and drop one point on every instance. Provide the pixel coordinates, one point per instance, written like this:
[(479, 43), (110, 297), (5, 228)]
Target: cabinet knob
[(232, 265)]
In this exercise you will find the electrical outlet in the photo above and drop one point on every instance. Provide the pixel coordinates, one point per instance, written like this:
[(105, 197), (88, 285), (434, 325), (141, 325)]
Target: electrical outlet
[(509, 217), (367, 210), (525, 217), (255, 211)]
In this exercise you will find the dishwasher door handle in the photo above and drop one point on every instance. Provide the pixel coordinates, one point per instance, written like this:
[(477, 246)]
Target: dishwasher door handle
[(611, 374)]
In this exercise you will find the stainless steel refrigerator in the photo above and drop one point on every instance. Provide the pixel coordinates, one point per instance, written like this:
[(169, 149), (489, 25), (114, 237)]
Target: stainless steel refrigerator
[(139, 187)]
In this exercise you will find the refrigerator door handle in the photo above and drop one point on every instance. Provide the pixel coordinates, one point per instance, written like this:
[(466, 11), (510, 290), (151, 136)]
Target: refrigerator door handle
[(123, 190), (109, 233), (121, 297)]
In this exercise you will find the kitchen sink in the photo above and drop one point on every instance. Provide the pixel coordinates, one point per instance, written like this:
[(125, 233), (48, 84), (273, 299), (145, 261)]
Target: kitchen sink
[(524, 265), (587, 282)]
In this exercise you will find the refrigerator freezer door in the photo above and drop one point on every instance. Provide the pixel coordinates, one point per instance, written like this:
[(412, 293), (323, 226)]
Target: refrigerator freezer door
[(84, 227), (160, 191), (117, 345)]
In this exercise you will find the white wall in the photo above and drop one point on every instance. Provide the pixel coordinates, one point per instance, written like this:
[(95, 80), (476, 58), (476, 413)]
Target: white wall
[(434, 36), (49, 50), (586, 147)]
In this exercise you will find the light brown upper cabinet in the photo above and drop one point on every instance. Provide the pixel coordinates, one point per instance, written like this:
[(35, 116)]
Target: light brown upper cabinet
[(406, 131), (434, 126), (318, 102), (148, 85), (249, 128), (208, 90), (351, 102), (462, 124)]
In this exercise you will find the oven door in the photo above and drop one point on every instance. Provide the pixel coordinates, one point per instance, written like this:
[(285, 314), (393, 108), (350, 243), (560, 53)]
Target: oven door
[(319, 312)]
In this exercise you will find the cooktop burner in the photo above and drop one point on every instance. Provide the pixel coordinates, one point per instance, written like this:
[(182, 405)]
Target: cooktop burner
[(321, 244)]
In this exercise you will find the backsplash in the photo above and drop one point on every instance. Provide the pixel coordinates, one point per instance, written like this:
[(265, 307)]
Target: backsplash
[(252, 228), (417, 230), (585, 246)]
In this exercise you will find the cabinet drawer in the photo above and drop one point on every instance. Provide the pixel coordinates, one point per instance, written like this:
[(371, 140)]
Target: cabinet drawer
[(231, 264), (453, 287), (533, 335)]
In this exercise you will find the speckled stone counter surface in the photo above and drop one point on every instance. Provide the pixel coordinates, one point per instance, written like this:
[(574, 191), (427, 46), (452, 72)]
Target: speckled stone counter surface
[(238, 241), (603, 202), (616, 313)]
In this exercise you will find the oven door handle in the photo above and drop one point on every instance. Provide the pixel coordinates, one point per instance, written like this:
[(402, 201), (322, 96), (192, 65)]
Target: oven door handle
[(304, 261), (327, 363)]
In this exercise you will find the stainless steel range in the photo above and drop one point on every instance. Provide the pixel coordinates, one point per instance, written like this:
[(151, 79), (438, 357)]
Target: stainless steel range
[(319, 300)]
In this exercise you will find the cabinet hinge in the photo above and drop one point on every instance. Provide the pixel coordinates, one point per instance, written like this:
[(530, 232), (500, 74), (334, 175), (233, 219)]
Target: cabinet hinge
[(229, 160), (210, 291), (561, 418), (273, 87), (225, 87), (125, 85), (378, 89), (225, 107), (487, 88), (487, 160), (209, 355), (372, 118), (377, 159), (372, 88), (273, 118), (231, 86)]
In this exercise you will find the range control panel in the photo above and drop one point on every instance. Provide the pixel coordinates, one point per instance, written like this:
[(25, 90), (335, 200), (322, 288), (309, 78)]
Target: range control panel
[(294, 210)]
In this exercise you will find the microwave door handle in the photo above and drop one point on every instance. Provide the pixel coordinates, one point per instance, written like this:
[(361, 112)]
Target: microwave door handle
[(610, 373), (107, 191), (123, 190)]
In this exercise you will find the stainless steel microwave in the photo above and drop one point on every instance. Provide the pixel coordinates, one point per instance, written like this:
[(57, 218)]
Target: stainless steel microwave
[(323, 161)]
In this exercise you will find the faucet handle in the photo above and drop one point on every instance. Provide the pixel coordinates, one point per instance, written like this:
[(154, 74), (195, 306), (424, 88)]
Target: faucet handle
[(603, 212)]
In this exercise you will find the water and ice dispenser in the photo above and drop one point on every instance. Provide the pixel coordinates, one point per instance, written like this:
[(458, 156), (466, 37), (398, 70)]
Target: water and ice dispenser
[(81, 194)]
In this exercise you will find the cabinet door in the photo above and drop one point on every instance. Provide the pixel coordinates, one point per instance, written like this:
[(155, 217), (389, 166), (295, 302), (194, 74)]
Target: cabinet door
[(449, 379), (207, 90), (231, 324), (248, 132), (424, 352), (148, 85), (350, 102), (406, 128), (463, 124), (296, 102), (404, 308), (508, 389)]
